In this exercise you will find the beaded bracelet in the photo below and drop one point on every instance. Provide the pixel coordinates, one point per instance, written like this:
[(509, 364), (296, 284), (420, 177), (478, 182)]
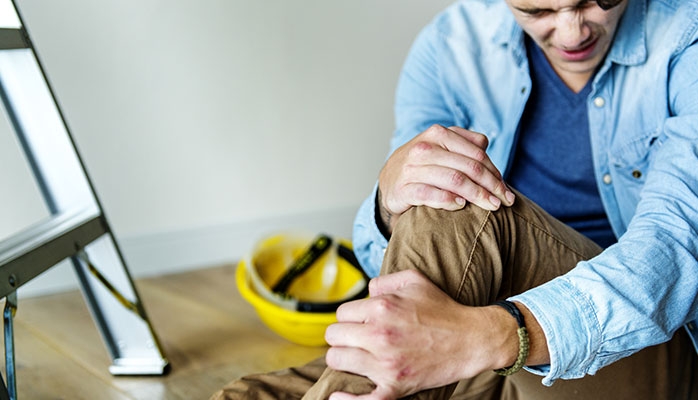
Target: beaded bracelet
[(523, 338)]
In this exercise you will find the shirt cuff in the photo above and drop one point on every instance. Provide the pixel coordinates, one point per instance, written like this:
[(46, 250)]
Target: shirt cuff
[(571, 329), (368, 241)]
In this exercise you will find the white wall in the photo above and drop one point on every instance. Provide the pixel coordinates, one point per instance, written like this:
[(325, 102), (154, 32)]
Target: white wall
[(204, 124)]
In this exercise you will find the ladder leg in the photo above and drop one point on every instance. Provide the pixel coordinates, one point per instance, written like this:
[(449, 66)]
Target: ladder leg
[(8, 316), (118, 311)]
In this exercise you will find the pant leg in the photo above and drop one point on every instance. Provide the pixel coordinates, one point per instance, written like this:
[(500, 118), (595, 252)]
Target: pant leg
[(285, 384), (477, 257)]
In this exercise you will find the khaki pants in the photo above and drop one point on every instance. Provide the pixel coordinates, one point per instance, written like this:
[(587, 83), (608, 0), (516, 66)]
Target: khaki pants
[(477, 257)]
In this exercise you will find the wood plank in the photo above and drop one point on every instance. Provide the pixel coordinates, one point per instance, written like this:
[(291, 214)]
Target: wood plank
[(63, 321), (214, 287), (46, 372), (209, 334)]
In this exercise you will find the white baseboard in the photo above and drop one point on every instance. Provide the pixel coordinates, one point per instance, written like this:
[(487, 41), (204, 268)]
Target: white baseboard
[(171, 252)]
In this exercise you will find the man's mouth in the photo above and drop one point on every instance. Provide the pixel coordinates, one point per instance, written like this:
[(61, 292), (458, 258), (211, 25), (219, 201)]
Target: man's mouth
[(579, 54)]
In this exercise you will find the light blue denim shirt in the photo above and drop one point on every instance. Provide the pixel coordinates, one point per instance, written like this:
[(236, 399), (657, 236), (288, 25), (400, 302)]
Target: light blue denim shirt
[(468, 68)]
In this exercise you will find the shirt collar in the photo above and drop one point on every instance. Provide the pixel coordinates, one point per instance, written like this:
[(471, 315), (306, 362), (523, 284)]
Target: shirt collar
[(510, 34), (630, 44)]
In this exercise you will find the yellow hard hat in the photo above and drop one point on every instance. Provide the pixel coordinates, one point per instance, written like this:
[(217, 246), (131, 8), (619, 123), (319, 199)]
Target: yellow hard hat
[(296, 282)]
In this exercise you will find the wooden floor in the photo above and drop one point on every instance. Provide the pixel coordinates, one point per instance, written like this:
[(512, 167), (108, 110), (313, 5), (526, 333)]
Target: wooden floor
[(209, 335)]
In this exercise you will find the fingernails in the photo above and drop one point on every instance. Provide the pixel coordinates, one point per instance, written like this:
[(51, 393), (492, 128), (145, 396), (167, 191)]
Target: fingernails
[(510, 196), (460, 201), (495, 201)]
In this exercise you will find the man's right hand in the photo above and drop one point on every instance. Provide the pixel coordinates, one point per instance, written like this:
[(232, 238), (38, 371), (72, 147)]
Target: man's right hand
[(441, 168)]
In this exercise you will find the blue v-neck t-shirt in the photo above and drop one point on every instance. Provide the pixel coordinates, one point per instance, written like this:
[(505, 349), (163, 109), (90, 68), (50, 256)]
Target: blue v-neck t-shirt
[(552, 161)]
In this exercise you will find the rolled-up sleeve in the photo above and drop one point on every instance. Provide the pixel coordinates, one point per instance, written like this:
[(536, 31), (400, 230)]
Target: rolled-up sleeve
[(369, 242)]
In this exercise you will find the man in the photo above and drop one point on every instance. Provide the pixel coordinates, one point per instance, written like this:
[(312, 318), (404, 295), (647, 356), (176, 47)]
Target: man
[(591, 110)]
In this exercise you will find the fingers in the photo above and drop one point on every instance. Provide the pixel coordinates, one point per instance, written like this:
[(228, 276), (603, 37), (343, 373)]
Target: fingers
[(353, 311), (455, 160), (347, 334), (354, 327), (382, 337), (350, 359), (442, 168), (359, 322), (343, 359), (356, 361), (434, 195), (450, 187), (478, 152), (391, 283), (476, 138)]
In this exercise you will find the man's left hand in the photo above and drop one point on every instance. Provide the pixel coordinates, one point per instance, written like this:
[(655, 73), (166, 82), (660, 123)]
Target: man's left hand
[(409, 336)]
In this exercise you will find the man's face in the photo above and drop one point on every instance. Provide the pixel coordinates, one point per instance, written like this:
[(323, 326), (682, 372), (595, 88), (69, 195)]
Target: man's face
[(575, 35)]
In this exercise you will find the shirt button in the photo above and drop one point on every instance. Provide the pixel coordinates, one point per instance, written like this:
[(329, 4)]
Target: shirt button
[(599, 102), (607, 179), (637, 174)]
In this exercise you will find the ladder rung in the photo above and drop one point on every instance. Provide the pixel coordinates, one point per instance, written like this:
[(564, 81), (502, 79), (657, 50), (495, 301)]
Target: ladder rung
[(43, 245), (11, 39)]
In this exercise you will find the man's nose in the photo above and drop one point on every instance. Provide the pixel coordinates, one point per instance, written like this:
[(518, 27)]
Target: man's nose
[(571, 31)]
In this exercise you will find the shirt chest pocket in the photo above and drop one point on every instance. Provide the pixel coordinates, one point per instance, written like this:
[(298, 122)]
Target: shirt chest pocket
[(630, 163)]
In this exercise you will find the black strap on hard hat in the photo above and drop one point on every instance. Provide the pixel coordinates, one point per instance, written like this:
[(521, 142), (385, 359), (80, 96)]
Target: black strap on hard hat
[(317, 248), (347, 254)]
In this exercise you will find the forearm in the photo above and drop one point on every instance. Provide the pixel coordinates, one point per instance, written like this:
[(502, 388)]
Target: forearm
[(502, 339), (538, 352)]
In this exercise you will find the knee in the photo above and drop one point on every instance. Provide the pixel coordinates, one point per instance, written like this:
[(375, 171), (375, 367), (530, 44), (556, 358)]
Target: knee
[(418, 219), (430, 239)]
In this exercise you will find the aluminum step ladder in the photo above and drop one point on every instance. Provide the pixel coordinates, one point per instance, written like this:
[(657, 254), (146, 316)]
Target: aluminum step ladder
[(77, 228)]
